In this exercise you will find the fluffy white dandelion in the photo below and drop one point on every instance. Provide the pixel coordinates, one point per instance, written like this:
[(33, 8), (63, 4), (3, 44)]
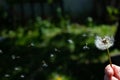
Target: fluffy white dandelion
[(104, 43)]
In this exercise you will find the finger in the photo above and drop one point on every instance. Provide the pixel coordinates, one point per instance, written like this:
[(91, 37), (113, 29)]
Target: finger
[(106, 77), (116, 71), (109, 71), (110, 78), (113, 78)]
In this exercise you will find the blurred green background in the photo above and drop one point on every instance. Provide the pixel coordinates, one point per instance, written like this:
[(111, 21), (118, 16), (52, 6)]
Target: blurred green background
[(55, 42)]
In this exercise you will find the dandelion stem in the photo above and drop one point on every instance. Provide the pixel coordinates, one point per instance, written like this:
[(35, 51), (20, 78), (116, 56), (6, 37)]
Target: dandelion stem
[(108, 53)]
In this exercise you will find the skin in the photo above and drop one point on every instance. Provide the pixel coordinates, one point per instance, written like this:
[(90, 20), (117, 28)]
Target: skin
[(112, 72)]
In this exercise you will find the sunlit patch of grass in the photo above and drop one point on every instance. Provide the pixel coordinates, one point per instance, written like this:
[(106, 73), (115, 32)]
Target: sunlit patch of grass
[(104, 30), (57, 76)]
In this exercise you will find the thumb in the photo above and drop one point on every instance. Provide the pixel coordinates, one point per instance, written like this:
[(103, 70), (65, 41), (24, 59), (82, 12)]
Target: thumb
[(116, 71), (110, 78)]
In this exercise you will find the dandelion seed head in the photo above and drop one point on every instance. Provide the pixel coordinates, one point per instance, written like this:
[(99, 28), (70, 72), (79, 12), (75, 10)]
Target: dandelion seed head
[(104, 43)]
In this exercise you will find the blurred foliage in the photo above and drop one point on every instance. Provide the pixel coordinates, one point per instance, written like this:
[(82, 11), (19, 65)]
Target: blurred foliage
[(112, 13), (52, 51)]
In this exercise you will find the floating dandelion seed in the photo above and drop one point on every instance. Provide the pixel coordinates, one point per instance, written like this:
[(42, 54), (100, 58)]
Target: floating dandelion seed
[(56, 49), (44, 64), (70, 41), (104, 44), (86, 47), (51, 55), (17, 68), (84, 35), (1, 51), (22, 76), (13, 56), (17, 57), (7, 75), (32, 44)]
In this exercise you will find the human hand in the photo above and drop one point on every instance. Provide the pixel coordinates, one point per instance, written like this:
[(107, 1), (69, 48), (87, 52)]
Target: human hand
[(112, 73)]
